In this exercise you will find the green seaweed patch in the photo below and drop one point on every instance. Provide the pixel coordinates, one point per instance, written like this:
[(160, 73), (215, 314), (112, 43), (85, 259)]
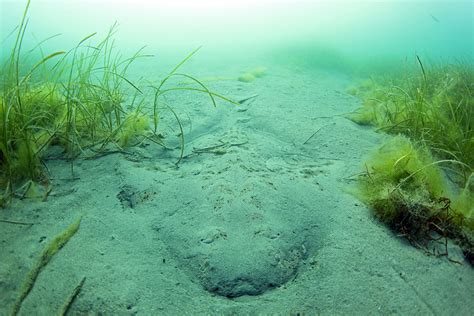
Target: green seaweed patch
[(135, 125), (258, 72), (253, 74), (246, 77), (407, 190), (464, 203)]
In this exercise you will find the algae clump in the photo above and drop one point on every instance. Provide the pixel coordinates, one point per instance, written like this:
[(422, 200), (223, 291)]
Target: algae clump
[(135, 124), (246, 77), (253, 74), (464, 203), (407, 190), (398, 172), (258, 72)]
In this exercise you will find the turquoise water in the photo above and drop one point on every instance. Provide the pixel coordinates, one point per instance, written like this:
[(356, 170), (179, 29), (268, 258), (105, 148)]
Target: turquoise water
[(238, 207), (359, 30)]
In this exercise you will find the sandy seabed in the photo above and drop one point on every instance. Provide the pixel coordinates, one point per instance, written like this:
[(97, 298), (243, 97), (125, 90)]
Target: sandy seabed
[(255, 220)]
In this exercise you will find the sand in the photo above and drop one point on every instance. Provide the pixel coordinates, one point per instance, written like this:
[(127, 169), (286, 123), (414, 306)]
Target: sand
[(257, 218)]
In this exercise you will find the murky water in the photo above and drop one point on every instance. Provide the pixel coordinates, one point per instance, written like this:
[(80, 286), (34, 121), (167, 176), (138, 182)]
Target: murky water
[(186, 208)]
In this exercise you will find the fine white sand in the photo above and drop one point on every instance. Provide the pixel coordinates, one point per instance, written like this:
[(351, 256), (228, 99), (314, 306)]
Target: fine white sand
[(255, 220)]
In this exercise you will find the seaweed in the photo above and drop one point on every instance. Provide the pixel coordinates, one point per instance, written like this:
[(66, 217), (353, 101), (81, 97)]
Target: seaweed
[(85, 103), (435, 108), (408, 191), (421, 183), (70, 299), (51, 249)]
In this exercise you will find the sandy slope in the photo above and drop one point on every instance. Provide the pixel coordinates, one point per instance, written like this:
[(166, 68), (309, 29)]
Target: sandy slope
[(264, 213)]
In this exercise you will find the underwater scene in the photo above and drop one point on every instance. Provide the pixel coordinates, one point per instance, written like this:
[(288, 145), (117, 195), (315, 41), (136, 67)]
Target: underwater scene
[(265, 157)]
